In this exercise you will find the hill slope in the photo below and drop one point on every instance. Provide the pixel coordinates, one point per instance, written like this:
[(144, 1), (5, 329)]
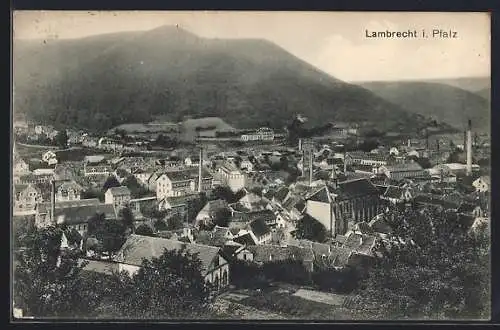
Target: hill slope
[(444, 103), (103, 81)]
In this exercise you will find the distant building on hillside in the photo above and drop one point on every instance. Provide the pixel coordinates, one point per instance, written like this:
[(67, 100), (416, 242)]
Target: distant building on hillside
[(262, 134)]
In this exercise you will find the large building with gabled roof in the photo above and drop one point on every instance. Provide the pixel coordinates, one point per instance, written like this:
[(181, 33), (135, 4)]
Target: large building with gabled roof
[(338, 207)]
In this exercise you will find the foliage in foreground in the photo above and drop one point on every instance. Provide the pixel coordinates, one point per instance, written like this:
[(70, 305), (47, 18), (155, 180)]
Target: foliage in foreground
[(49, 283), (441, 271)]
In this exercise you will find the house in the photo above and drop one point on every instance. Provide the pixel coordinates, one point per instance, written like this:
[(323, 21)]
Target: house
[(246, 165), (262, 134), (176, 205), (360, 243), (68, 191), (193, 160), (470, 209), (44, 172), (97, 170), (94, 159), (219, 236), (26, 197), (365, 158), (232, 252), (207, 213), (74, 214), (482, 184), (231, 176), (402, 171), (263, 254), (181, 182), (260, 230), (119, 197), (252, 202), (454, 168), (152, 180), (245, 238), (214, 268), (339, 207), (142, 175), (49, 157), (20, 166), (32, 178), (424, 200), (396, 195)]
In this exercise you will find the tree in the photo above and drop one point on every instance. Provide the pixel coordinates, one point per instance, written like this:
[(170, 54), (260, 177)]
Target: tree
[(434, 268), (136, 189), (311, 229), (61, 139), (222, 217), (111, 234), (128, 218), (160, 225), (110, 182), (174, 223), (168, 287), (47, 284), (144, 230)]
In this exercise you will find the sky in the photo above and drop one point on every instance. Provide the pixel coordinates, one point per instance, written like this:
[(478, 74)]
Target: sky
[(334, 42)]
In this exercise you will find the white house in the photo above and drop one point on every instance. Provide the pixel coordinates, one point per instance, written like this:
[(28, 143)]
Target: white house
[(482, 184), (49, 157), (119, 197), (214, 268), (231, 176)]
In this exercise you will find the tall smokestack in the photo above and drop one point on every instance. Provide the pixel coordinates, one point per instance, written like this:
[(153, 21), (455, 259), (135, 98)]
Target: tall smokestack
[(469, 148), (300, 144), (409, 143), (311, 167), (199, 170), (437, 145), (426, 139), (465, 140), (52, 201)]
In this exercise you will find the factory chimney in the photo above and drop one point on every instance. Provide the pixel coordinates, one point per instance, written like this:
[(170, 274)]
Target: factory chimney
[(300, 144), (437, 145), (311, 167), (199, 170), (465, 140), (52, 201), (409, 143), (469, 148)]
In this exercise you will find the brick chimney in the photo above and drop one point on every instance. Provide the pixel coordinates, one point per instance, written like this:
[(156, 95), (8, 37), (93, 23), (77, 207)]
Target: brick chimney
[(52, 201), (469, 148)]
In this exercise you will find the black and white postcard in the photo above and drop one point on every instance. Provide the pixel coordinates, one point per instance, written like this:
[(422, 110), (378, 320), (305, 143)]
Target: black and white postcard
[(205, 165)]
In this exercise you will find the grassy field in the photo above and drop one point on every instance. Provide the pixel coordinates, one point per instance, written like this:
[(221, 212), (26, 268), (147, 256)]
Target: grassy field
[(290, 303)]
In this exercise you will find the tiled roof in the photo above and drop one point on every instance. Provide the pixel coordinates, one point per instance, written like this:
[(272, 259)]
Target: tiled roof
[(322, 195), (436, 200), (271, 253), (245, 239), (356, 188), (137, 248), (281, 194), (366, 156), (340, 256), (259, 227), (81, 214), (359, 243), (184, 175), (180, 200), (45, 207), (413, 166), (119, 191)]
